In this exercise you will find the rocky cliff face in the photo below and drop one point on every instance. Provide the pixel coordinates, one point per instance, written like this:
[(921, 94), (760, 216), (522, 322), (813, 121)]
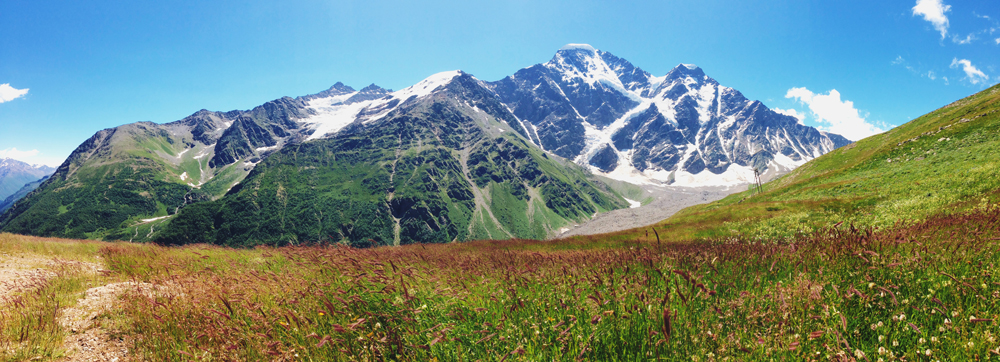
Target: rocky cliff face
[(683, 128)]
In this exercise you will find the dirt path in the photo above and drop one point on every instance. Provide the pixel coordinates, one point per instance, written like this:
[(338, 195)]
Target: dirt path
[(19, 273), (85, 340), (667, 201)]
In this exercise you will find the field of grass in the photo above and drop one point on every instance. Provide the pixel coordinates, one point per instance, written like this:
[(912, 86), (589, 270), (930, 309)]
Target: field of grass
[(920, 291)]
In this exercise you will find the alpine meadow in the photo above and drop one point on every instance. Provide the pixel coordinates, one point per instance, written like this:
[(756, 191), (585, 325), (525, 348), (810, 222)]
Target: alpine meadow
[(578, 209)]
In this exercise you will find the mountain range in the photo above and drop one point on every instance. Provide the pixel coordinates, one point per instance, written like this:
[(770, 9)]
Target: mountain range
[(17, 178), (450, 158)]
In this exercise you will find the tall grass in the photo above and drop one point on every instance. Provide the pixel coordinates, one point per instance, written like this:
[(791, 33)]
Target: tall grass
[(921, 291)]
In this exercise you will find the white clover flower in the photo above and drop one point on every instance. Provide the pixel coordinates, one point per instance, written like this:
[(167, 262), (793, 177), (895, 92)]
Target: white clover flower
[(881, 338), (921, 341), (881, 351), (927, 352)]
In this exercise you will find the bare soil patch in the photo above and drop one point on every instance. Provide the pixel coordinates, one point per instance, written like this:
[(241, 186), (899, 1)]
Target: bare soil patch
[(666, 202), (89, 341)]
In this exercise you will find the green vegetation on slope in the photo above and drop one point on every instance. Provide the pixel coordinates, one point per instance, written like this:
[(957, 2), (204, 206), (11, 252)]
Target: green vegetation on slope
[(944, 161), (433, 172)]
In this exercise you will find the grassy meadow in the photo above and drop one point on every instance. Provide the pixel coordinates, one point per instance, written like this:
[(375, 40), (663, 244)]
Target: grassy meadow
[(922, 291)]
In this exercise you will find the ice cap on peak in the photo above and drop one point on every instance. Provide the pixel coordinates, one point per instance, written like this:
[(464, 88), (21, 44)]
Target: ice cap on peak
[(577, 47), (689, 66)]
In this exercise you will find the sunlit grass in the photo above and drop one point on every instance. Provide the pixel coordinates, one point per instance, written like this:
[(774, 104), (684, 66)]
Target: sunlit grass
[(930, 286)]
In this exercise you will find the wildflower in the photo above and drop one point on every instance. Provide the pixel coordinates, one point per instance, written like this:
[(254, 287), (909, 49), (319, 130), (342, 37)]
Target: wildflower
[(881, 351), (710, 355), (871, 285), (902, 316), (921, 341), (927, 352), (880, 323), (859, 354), (953, 314), (895, 343), (881, 338), (971, 344)]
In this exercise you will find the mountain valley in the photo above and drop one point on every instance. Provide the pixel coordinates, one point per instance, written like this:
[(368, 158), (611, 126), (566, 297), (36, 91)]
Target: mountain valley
[(517, 158)]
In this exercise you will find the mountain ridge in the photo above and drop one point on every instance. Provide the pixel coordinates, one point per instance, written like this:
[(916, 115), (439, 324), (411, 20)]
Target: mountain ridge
[(566, 107)]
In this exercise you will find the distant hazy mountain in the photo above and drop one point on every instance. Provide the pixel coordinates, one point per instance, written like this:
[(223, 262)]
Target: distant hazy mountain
[(449, 158), (20, 194), (15, 174)]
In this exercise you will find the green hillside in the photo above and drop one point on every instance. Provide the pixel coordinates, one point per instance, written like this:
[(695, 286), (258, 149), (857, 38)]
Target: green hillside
[(942, 162), (117, 178), (445, 168)]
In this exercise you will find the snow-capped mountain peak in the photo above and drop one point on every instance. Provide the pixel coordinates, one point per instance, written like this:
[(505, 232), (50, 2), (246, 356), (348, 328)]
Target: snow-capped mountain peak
[(335, 110), (682, 128)]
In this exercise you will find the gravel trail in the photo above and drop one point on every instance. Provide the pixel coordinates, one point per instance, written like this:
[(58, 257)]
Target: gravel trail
[(667, 201)]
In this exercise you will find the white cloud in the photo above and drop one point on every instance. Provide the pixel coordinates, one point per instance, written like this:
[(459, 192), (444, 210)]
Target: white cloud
[(998, 41), (973, 74), (835, 115), (931, 75), (933, 11), (968, 39), (17, 154), (899, 60), (8, 93), (791, 112), (945, 80)]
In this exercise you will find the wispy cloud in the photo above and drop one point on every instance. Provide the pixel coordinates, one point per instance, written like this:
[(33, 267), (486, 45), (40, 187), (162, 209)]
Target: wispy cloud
[(968, 39), (931, 75), (899, 60), (933, 11), (17, 154), (801, 116), (997, 40), (835, 115), (973, 74), (8, 93)]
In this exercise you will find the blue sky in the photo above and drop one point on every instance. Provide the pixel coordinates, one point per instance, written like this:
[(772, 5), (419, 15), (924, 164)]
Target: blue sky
[(71, 68)]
